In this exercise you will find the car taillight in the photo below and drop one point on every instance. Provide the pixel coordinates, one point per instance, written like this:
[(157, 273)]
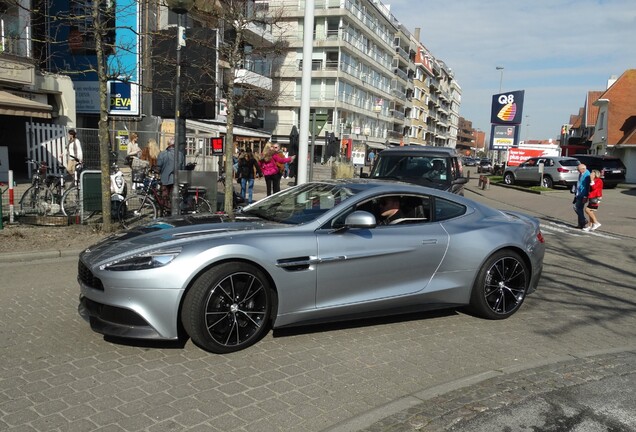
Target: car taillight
[(562, 170), (540, 237)]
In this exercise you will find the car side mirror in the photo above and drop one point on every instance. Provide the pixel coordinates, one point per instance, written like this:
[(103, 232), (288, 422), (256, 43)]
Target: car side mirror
[(461, 180), (360, 219)]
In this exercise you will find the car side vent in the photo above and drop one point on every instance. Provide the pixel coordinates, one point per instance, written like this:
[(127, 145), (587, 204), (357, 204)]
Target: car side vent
[(294, 264)]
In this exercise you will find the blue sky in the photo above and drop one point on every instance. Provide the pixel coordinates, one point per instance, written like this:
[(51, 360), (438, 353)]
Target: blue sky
[(555, 50)]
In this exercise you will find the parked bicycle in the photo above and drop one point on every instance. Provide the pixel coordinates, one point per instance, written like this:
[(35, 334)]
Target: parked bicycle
[(71, 199), (38, 198), (148, 203)]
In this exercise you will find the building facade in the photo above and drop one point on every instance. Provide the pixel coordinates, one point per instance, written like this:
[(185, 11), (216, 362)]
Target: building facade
[(372, 80)]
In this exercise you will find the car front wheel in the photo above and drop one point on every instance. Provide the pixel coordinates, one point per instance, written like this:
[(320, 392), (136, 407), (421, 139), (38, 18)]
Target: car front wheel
[(228, 308), (509, 179), (501, 286)]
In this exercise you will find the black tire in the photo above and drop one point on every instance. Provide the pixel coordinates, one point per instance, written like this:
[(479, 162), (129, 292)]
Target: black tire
[(501, 286), (509, 178), (36, 200), (70, 202), (136, 210), (228, 308), (547, 182)]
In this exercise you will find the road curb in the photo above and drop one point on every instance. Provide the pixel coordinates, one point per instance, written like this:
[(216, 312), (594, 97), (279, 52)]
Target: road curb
[(401, 405), (11, 257)]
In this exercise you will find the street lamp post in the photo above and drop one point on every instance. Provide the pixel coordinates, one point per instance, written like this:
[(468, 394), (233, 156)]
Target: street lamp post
[(501, 69), (180, 7)]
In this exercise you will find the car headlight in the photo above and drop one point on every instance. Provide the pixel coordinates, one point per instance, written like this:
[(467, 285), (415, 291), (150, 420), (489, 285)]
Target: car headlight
[(143, 261)]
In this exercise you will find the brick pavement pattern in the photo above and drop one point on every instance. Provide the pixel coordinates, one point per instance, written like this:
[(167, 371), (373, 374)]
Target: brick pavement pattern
[(58, 375)]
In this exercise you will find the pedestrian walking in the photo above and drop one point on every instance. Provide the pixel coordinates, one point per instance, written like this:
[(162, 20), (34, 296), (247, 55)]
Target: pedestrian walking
[(371, 157), (165, 162), (272, 164), (74, 149), (581, 193), (133, 151), (248, 169), (594, 199)]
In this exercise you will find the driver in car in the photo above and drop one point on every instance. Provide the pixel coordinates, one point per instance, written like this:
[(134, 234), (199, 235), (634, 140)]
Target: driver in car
[(390, 211), (438, 171)]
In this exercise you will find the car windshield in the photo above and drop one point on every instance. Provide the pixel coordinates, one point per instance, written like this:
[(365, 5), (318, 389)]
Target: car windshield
[(404, 167), (301, 204)]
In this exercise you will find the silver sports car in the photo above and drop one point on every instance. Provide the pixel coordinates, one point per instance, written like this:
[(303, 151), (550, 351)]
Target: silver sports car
[(320, 251)]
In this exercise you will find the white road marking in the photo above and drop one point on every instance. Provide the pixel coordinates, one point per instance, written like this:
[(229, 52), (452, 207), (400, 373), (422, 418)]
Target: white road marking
[(560, 228)]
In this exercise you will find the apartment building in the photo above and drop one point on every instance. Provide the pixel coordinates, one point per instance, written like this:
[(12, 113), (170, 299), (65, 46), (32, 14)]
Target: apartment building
[(372, 80)]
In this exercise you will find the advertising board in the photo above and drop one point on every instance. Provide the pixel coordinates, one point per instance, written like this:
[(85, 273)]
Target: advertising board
[(518, 155)]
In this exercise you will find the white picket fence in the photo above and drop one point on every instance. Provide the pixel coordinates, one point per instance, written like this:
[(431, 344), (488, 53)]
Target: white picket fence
[(45, 144)]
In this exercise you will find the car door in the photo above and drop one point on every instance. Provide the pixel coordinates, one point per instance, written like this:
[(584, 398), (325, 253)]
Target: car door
[(528, 171), (362, 265)]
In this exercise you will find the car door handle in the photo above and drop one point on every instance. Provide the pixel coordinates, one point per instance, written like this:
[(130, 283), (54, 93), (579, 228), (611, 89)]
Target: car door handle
[(429, 241)]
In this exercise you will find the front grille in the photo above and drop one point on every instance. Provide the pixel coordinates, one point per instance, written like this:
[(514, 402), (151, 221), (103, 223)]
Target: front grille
[(86, 276), (113, 314)]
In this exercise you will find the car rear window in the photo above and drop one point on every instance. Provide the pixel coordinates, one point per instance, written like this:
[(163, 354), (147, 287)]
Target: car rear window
[(612, 164), (569, 162)]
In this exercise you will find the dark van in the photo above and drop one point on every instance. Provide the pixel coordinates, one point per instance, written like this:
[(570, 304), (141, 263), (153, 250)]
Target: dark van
[(612, 169), (436, 167)]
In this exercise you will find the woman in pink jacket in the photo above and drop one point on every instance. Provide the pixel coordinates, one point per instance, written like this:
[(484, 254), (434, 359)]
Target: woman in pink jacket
[(271, 162)]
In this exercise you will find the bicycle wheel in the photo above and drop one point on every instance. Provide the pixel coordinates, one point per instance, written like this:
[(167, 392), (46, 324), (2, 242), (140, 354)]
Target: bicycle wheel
[(136, 210), (36, 200), (70, 201), (202, 206)]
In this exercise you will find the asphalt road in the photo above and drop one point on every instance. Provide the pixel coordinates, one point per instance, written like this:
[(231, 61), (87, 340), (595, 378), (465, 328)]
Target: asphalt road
[(435, 371)]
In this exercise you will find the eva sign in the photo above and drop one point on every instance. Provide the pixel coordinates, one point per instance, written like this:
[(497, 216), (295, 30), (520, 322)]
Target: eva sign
[(123, 98), (507, 108)]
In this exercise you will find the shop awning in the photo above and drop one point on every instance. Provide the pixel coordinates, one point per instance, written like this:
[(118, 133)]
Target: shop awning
[(376, 145), (13, 105), (239, 131)]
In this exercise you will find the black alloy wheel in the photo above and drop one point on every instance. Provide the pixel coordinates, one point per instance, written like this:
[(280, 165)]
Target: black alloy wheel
[(501, 286), (228, 308)]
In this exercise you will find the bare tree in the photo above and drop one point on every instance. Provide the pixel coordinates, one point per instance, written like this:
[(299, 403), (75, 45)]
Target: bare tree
[(238, 21)]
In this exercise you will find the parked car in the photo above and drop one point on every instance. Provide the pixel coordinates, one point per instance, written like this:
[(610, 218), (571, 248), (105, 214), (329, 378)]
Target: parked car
[(557, 170), (612, 169), (468, 161), (308, 254), (414, 164), (485, 166)]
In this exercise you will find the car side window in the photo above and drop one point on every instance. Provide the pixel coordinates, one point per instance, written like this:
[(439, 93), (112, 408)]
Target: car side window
[(412, 209), (445, 209)]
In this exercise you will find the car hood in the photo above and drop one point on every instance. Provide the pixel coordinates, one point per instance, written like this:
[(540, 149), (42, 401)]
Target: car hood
[(173, 232)]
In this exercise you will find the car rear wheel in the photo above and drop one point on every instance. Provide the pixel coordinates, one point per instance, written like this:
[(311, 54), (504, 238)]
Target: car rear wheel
[(509, 178), (501, 286), (228, 308), (547, 182)]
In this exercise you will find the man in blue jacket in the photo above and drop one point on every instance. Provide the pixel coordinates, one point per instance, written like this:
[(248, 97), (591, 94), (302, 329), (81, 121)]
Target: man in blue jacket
[(581, 193)]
